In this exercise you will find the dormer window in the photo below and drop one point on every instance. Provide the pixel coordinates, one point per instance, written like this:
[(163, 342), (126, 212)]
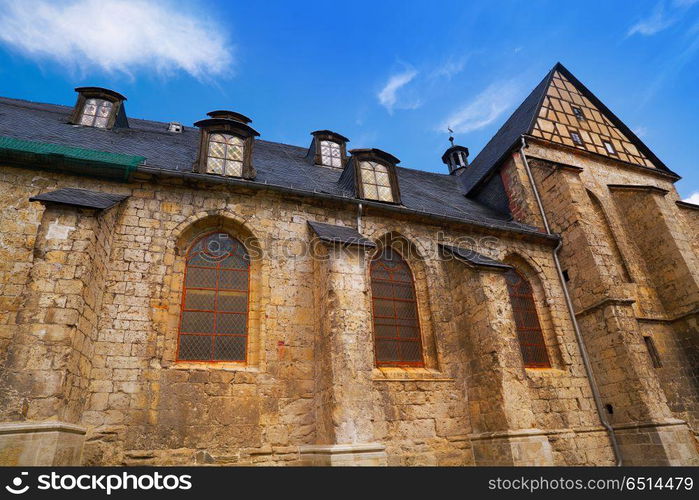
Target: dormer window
[(100, 108), (328, 149), (331, 154), (96, 113), (225, 155), (372, 175), (376, 183), (226, 145)]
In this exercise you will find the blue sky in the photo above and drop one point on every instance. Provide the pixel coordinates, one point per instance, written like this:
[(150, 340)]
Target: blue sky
[(385, 74)]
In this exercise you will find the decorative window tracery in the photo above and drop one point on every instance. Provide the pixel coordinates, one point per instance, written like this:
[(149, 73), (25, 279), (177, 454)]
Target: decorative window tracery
[(215, 298)]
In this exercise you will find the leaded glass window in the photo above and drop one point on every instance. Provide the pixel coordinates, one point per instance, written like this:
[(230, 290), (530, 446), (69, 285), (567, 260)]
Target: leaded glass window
[(225, 155), (530, 336), (331, 154), (214, 318), (376, 181), (96, 113), (396, 326)]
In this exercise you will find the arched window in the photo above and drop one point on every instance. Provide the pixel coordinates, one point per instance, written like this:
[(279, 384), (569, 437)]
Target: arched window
[(396, 326), (213, 324), (225, 155), (531, 339)]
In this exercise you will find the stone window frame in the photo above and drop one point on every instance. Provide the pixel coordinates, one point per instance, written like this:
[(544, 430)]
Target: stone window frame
[(226, 126), (328, 135), (85, 93), (542, 301), (168, 309), (419, 268)]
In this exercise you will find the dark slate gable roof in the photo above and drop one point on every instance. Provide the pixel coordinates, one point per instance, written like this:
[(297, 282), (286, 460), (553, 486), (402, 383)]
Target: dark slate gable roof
[(522, 121), (277, 165), (339, 234), (80, 198), (475, 259), (506, 138)]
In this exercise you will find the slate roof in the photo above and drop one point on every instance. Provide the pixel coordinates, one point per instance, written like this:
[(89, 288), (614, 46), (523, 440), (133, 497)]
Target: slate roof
[(521, 123), (276, 164), (474, 258), (339, 234), (504, 139), (80, 198)]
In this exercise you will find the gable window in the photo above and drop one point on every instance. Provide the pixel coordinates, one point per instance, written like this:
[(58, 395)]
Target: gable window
[(397, 339), (225, 155), (96, 113), (609, 147), (214, 317), (577, 139), (529, 334), (331, 154), (376, 181), (578, 113)]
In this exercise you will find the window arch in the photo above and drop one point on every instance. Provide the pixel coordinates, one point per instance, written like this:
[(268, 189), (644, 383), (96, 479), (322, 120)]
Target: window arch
[(215, 298), (397, 339), (529, 334)]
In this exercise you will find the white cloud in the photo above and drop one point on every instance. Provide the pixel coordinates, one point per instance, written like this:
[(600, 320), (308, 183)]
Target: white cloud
[(388, 97), (693, 198), (641, 131), (116, 35), (660, 19), (484, 109), (656, 23), (451, 67)]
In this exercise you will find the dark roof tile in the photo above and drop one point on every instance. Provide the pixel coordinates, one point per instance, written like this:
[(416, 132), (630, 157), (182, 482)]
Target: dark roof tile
[(80, 198), (339, 234), (474, 259)]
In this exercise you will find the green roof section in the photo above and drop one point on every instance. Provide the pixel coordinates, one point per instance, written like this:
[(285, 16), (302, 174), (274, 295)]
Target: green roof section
[(57, 153)]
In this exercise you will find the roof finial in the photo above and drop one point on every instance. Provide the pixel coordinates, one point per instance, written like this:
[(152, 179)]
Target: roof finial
[(451, 137)]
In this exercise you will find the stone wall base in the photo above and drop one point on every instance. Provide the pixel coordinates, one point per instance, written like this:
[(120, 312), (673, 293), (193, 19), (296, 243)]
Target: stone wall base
[(40, 443), (521, 447), (365, 454), (665, 442)]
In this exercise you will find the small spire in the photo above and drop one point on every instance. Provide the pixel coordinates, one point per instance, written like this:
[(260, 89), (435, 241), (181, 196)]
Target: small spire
[(451, 137)]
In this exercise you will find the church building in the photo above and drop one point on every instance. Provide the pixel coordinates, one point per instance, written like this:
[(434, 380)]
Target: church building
[(176, 295)]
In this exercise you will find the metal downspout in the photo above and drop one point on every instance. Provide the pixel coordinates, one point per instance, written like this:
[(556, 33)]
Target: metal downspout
[(581, 342)]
